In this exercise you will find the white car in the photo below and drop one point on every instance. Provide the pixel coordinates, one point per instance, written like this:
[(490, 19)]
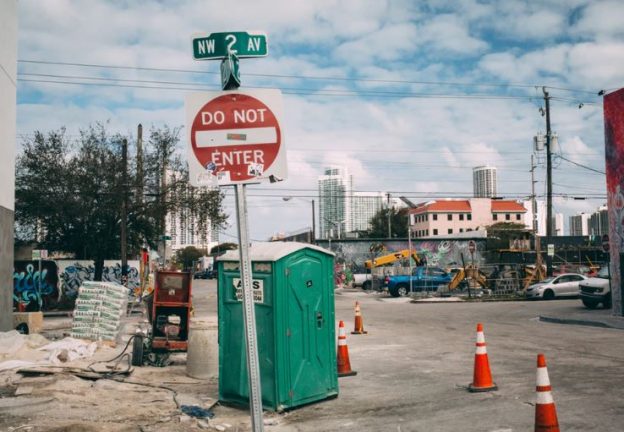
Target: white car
[(564, 285), (597, 290)]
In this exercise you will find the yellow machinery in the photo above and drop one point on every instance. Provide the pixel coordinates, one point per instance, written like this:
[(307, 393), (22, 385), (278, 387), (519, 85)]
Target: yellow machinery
[(392, 258), (469, 272)]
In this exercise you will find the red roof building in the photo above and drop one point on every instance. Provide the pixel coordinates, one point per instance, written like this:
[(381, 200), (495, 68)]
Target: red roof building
[(453, 217)]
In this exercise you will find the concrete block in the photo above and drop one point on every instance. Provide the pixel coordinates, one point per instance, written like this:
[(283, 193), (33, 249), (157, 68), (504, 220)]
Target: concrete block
[(34, 320)]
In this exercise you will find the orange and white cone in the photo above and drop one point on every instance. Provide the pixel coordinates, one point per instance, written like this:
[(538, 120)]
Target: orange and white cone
[(545, 411), (344, 365), (482, 377), (359, 322)]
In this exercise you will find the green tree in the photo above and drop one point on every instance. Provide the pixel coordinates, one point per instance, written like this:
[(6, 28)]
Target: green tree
[(220, 249), (379, 224), (69, 195), (188, 256)]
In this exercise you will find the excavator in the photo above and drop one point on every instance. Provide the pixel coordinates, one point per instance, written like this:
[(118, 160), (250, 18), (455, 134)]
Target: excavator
[(468, 272), (393, 257)]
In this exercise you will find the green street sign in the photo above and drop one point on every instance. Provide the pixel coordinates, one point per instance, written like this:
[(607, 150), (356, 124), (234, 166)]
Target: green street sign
[(217, 45), (165, 237)]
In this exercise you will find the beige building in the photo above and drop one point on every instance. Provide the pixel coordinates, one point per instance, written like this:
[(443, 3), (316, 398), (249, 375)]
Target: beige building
[(456, 217)]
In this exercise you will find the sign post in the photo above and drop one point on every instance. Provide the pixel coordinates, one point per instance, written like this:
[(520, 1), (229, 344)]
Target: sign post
[(235, 139)]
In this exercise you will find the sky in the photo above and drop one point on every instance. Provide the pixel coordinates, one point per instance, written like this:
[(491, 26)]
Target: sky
[(408, 95)]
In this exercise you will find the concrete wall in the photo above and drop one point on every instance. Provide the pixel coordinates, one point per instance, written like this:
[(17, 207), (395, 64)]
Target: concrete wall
[(8, 90)]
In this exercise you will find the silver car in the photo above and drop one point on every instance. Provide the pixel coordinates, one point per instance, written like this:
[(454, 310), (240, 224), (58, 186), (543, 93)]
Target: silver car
[(564, 285)]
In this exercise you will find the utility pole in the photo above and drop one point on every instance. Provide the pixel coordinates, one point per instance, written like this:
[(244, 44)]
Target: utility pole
[(548, 180), (163, 211), (313, 240), (139, 167), (124, 212), (538, 246), (389, 217)]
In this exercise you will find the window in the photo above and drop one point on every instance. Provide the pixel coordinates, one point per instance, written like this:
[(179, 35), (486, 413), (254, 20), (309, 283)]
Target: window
[(468, 229), (449, 216), (507, 216), (494, 216), (461, 216), (435, 217), (518, 216), (426, 217), (461, 230), (469, 216), (427, 233), (435, 231), (450, 230)]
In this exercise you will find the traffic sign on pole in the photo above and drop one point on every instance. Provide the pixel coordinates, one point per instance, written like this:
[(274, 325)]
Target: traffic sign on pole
[(235, 137), (217, 45)]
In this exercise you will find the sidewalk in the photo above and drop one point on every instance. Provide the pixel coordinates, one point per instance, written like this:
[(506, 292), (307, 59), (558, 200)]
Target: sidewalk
[(580, 315)]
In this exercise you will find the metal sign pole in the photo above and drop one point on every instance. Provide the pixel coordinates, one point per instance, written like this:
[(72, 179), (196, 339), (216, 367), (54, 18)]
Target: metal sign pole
[(249, 315)]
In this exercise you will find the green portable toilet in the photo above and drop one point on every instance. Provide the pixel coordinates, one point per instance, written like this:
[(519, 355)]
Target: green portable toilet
[(294, 306)]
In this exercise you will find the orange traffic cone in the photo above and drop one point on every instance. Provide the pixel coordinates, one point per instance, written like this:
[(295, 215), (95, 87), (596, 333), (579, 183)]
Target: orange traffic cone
[(545, 411), (482, 378), (344, 365), (359, 322)]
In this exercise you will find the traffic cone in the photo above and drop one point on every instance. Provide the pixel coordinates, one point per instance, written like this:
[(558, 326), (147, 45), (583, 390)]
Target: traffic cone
[(359, 322), (482, 378), (344, 365), (545, 411)]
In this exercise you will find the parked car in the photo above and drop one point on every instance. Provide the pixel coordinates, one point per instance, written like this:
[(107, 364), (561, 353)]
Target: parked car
[(564, 285), (422, 278), (206, 274), (597, 290)]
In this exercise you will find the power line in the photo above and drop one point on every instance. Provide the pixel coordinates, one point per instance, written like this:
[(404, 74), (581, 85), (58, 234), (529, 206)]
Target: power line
[(581, 165), (311, 77)]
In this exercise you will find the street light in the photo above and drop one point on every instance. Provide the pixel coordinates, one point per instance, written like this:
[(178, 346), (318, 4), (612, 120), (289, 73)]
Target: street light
[(312, 236)]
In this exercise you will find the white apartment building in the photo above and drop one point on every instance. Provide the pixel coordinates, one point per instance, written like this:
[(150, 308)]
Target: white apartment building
[(599, 222), (484, 181), (364, 205), (335, 188), (541, 218), (453, 217), (184, 230)]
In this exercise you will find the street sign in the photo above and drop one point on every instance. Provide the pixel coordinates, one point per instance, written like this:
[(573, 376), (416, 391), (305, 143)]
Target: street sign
[(216, 45), (230, 73), (38, 254), (472, 246), (235, 137), (605, 242), (551, 250), (165, 237)]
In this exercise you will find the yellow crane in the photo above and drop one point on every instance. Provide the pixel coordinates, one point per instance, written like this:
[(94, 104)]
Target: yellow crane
[(391, 258)]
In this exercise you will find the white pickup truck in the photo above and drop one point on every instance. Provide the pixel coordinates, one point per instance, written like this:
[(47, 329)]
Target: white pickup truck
[(596, 290)]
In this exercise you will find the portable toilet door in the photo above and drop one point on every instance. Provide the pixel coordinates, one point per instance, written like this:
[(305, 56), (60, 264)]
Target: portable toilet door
[(310, 322)]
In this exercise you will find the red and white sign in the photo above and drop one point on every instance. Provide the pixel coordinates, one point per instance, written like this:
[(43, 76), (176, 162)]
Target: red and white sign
[(235, 137)]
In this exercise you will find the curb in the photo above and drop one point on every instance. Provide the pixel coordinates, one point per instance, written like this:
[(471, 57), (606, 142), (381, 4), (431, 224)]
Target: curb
[(579, 322)]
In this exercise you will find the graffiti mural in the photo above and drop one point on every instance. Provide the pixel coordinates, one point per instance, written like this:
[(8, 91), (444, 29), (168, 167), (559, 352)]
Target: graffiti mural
[(60, 281), (72, 273), (614, 155), (440, 253), (34, 290)]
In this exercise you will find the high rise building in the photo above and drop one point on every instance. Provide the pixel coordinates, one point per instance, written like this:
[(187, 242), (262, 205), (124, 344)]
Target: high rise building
[(335, 192), (579, 224), (484, 181), (365, 205), (599, 222)]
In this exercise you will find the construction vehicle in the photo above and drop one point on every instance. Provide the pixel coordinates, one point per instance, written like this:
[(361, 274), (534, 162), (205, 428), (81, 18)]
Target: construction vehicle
[(391, 258), (468, 274)]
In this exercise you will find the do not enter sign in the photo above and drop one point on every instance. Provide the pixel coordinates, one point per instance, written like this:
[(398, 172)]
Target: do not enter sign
[(235, 137)]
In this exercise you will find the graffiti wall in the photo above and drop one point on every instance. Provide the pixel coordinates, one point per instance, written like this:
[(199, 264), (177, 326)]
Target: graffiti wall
[(351, 254), (60, 281), (34, 289), (614, 154)]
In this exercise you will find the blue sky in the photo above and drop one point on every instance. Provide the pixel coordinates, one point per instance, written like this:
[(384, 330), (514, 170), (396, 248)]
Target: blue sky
[(408, 95)]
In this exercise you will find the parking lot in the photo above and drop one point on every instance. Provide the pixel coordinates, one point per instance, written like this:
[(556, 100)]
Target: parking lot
[(417, 359)]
